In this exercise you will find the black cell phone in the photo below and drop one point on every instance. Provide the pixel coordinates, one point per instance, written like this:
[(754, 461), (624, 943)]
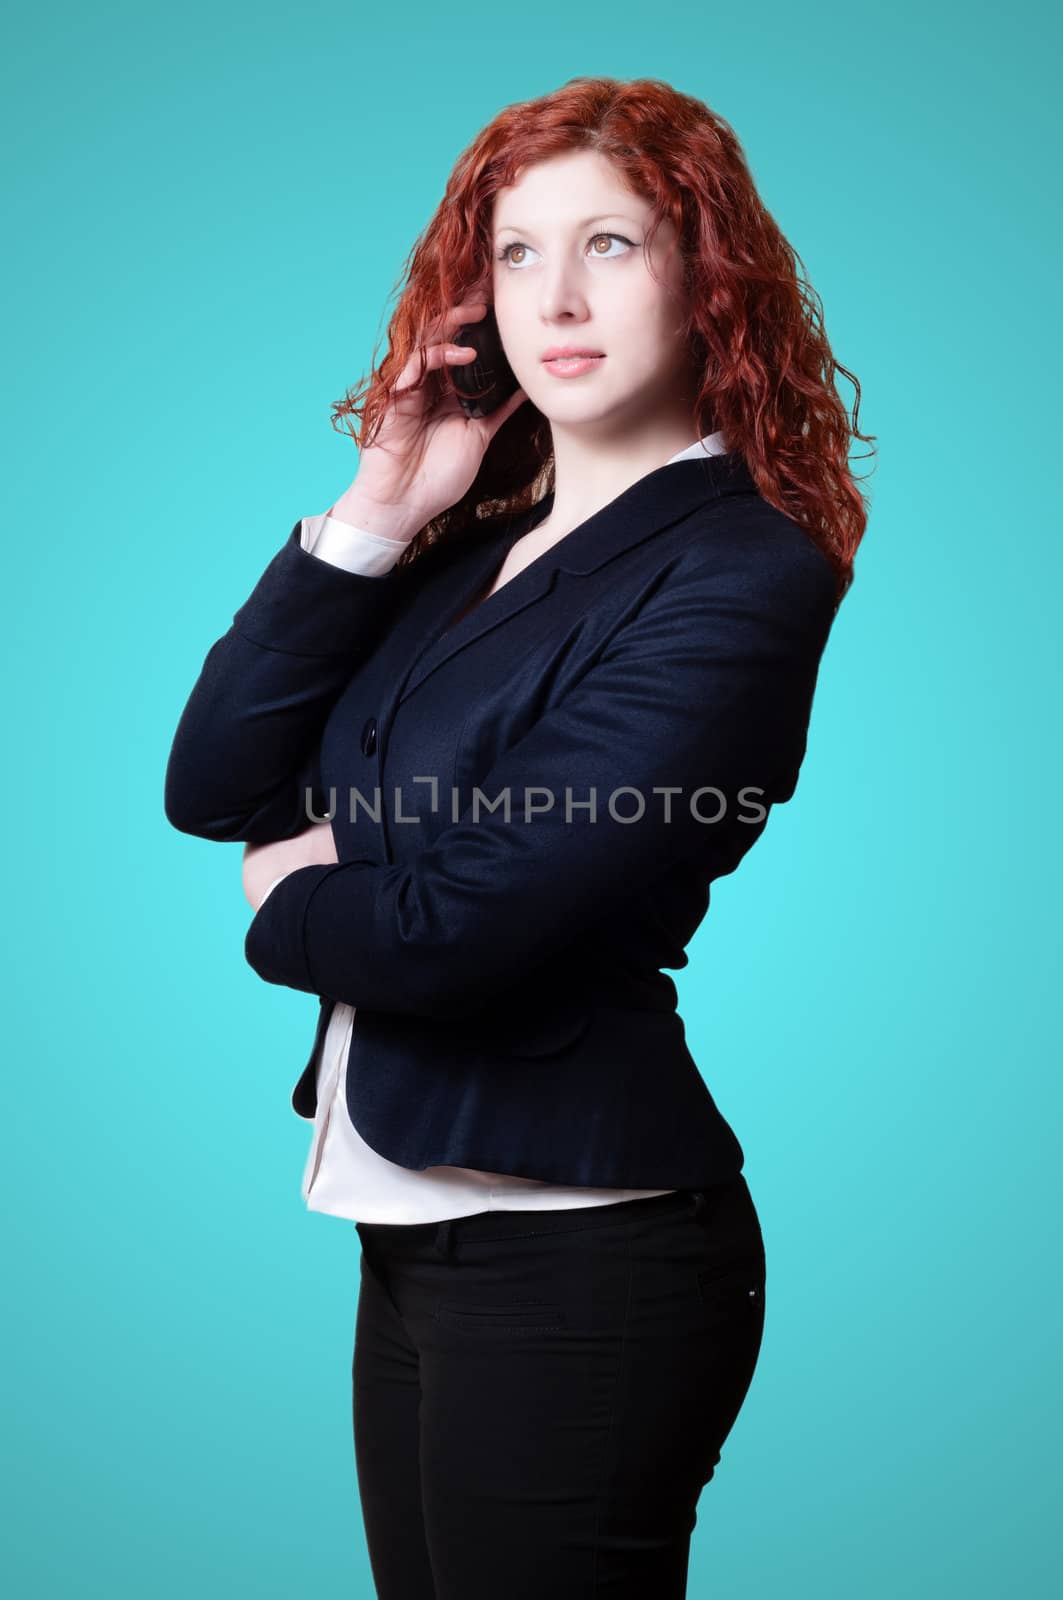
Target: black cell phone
[(483, 384)]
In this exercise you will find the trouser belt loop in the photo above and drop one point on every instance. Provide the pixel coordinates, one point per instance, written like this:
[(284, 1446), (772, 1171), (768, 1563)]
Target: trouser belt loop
[(444, 1236), (697, 1202)]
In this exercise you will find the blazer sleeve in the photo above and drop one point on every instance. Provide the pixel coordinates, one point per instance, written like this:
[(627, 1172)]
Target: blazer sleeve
[(245, 757), (708, 689)]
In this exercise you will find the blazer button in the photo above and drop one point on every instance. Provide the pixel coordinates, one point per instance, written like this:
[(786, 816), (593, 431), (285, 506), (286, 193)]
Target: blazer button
[(369, 737)]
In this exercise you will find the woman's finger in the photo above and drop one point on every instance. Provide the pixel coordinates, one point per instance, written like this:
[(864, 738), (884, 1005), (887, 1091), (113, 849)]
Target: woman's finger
[(453, 317), (435, 355), (446, 323), (495, 419)]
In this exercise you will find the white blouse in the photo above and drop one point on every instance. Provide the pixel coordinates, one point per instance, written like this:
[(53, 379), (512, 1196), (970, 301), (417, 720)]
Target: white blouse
[(343, 1175)]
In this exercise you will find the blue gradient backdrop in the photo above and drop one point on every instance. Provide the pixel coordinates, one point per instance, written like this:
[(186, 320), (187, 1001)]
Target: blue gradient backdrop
[(207, 210)]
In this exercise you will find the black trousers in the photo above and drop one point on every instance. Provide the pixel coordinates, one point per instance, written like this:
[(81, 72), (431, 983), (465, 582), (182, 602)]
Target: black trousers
[(540, 1396)]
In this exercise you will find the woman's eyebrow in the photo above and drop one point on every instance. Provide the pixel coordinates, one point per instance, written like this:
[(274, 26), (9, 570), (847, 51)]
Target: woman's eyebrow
[(599, 216)]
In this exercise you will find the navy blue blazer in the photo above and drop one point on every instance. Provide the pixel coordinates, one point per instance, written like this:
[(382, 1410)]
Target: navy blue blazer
[(506, 969)]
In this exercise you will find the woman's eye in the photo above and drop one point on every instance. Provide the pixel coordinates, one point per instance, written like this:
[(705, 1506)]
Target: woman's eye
[(619, 236), (504, 253)]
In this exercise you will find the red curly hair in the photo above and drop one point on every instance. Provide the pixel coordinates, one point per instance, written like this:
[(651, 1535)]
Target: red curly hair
[(755, 323)]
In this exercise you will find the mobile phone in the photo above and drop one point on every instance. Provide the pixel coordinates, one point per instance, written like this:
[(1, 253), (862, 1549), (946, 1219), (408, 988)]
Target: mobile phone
[(484, 384)]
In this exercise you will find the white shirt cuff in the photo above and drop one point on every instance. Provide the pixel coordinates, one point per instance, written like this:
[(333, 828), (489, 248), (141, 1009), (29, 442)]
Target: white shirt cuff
[(354, 549), (270, 889)]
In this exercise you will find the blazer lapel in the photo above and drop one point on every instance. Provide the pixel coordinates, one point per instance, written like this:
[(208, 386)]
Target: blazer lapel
[(649, 505), (532, 584)]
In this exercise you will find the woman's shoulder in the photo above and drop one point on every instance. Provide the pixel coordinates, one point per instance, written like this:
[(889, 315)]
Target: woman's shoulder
[(746, 540)]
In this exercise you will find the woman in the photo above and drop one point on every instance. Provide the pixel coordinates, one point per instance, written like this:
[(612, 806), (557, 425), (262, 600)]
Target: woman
[(563, 1273)]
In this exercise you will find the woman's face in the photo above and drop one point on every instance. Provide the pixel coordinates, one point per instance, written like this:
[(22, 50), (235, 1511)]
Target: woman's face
[(570, 267)]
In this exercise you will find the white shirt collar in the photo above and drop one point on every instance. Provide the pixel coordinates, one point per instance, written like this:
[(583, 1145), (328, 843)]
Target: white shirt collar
[(710, 443)]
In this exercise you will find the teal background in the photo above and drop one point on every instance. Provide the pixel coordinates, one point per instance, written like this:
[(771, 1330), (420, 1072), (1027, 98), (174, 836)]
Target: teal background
[(207, 210)]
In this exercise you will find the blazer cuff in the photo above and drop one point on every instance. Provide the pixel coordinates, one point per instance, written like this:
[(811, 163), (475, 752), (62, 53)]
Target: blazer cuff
[(271, 888), (311, 607), (275, 943)]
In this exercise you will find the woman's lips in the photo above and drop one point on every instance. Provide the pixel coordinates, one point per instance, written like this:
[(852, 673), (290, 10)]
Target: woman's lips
[(572, 366)]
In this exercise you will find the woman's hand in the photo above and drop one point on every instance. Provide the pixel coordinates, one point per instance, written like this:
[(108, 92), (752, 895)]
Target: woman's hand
[(315, 846), (419, 463)]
